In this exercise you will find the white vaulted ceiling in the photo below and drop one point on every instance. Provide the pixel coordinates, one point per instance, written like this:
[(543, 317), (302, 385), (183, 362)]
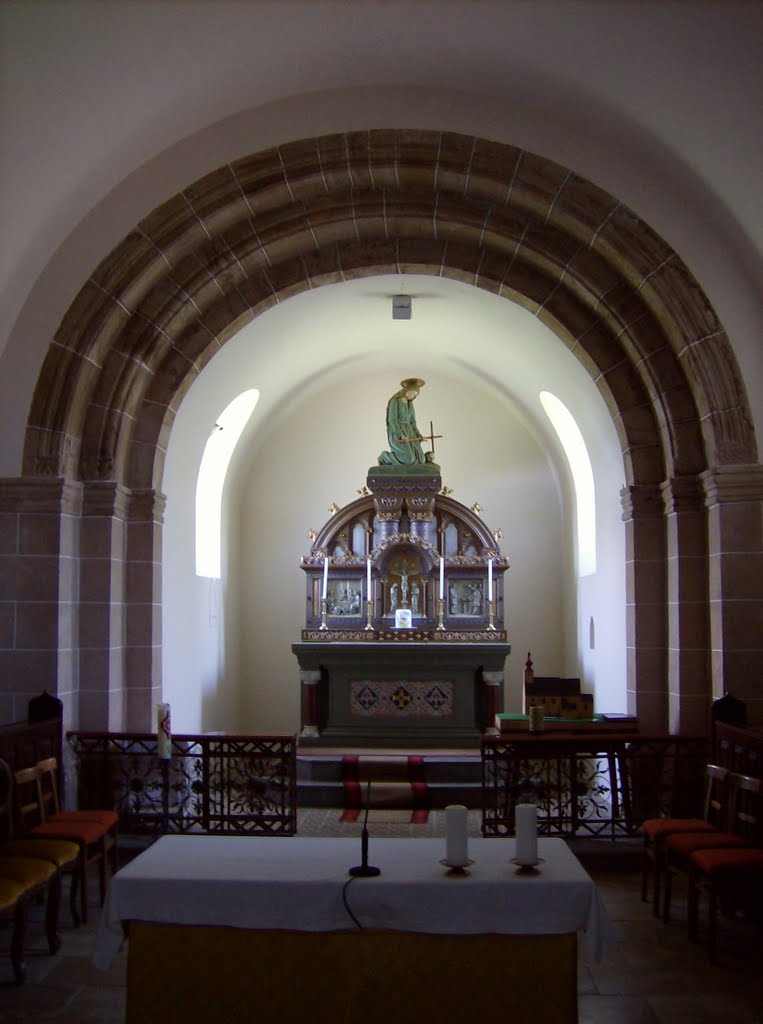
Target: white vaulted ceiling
[(110, 108)]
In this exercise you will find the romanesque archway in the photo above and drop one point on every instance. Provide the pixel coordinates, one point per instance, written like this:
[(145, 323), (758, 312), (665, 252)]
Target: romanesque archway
[(323, 210)]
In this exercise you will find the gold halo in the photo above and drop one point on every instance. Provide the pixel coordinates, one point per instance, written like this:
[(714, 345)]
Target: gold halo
[(412, 382)]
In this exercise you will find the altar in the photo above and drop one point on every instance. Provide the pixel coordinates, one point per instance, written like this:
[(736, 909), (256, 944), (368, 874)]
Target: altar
[(415, 694), (404, 639), (273, 929)]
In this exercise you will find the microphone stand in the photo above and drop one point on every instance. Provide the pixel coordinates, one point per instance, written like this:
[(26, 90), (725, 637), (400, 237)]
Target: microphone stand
[(364, 869)]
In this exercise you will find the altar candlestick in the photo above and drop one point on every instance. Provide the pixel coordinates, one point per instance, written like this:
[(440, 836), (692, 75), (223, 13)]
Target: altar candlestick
[(442, 578), (456, 836), (490, 580), (368, 579), (526, 818), (325, 578)]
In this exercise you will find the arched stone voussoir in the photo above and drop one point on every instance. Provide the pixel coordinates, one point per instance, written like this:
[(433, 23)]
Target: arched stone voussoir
[(321, 210)]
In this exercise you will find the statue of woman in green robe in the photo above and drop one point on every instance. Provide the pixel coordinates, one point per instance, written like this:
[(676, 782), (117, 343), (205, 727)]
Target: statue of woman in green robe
[(402, 433)]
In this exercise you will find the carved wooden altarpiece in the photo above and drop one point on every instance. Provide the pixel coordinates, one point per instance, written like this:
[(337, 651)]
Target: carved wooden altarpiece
[(366, 677)]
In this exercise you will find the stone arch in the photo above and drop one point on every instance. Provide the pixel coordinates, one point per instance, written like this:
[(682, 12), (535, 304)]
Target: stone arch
[(324, 210)]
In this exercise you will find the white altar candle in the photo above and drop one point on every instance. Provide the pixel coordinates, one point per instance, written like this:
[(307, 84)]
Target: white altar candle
[(368, 579), (325, 578), (490, 580), (526, 818), (163, 733), (442, 578), (456, 836)]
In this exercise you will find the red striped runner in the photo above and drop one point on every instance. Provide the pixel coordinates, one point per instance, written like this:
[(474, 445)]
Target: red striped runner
[(412, 771)]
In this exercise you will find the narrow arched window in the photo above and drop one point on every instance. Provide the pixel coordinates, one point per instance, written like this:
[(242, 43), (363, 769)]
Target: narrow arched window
[(575, 449), (218, 452)]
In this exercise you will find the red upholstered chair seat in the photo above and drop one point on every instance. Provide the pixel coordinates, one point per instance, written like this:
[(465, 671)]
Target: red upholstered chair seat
[(684, 844), (660, 828), (106, 819), (75, 831), (717, 861)]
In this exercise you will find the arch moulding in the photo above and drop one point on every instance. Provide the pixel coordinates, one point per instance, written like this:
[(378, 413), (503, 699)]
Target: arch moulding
[(324, 210)]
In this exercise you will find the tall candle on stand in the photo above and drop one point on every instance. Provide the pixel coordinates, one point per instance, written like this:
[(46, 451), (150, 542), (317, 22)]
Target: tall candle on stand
[(442, 578), (490, 581), (325, 578), (368, 579), (526, 818), (456, 836), (163, 732)]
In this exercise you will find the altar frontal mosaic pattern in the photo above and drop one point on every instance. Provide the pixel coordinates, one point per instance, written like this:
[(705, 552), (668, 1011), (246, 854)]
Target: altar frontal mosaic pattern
[(429, 699)]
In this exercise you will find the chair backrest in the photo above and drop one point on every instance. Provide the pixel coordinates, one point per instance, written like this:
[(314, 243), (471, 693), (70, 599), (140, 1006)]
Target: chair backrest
[(718, 807), (48, 775), (748, 807), (6, 801), (30, 810)]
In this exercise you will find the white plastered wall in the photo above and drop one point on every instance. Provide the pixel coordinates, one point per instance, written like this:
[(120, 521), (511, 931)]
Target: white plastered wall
[(227, 660)]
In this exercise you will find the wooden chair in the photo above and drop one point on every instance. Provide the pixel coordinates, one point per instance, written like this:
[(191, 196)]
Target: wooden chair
[(657, 830), (24, 878), (731, 878), (736, 832), (89, 836), (63, 855), (48, 769)]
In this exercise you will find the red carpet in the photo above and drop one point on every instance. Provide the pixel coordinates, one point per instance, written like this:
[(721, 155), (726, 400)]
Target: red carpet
[(395, 782)]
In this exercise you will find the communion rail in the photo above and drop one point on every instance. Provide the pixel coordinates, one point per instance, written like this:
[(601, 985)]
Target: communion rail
[(221, 784), (591, 786)]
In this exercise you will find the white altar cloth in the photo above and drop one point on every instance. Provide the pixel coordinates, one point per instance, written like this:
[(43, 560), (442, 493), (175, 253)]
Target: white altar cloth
[(298, 883)]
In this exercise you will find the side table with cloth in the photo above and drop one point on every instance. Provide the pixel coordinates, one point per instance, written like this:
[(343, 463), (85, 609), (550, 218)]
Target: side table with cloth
[(267, 929)]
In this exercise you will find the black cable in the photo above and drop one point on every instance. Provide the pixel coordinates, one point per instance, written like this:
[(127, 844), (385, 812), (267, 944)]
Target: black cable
[(347, 905)]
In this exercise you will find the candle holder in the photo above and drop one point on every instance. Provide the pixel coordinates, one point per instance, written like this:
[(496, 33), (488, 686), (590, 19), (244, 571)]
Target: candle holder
[(490, 617), (324, 612), (440, 611), (369, 613), (457, 870), (525, 868)]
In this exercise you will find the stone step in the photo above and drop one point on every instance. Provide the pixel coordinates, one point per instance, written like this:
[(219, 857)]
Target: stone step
[(450, 777)]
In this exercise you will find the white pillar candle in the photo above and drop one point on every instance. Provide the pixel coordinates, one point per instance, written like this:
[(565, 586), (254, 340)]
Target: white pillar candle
[(490, 580), (456, 836), (442, 578), (325, 578), (163, 732), (368, 579), (526, 818)]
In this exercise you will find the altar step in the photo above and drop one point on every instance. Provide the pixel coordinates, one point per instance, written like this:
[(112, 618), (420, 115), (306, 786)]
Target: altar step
[(450, 777)]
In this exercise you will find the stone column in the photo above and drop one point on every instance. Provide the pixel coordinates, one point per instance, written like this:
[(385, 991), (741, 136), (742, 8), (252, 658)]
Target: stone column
[(688, 642), (646, 620), (734, 498), (102, 608), (143, 608), (309, 680)]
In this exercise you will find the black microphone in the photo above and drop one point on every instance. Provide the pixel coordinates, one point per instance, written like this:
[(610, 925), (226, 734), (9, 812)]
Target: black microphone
[(364, 869)]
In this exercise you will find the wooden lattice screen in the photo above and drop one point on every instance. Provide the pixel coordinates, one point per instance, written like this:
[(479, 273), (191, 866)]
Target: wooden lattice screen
[(221, 784)]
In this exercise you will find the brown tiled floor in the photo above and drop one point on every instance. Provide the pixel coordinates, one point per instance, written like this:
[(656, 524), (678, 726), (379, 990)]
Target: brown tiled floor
[(652, 976)]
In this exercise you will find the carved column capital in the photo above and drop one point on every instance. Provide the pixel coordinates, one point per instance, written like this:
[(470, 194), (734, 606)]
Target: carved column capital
[(642, 501), (492, 678), (729, 484), (683, 494), (41, 494)]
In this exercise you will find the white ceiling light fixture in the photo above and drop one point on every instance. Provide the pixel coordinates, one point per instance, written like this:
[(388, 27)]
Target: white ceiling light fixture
[(401, 307)]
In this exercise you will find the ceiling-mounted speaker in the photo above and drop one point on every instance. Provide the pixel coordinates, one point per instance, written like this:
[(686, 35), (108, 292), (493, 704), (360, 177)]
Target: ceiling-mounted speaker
[(401, 307)]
